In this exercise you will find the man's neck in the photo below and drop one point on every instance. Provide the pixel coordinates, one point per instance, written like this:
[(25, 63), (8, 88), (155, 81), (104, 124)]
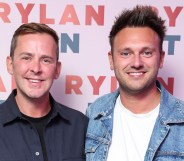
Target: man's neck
[(33, 107), (141, 103)]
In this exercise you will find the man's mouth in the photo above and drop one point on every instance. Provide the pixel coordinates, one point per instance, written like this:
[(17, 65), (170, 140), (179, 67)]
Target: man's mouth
[(136, 73), (35, 80)]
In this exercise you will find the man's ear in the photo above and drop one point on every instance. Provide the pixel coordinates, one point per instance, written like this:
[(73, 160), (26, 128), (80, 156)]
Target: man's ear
[(110, 60), (162, 56), (9, 65), (58, 70)]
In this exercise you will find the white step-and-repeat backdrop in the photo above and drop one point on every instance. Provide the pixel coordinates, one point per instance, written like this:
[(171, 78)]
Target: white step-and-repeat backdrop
[(83, 28)]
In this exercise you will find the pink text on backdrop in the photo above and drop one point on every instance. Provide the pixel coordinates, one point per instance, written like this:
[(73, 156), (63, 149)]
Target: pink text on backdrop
[(73, 84), (69, 15), (172, 14)]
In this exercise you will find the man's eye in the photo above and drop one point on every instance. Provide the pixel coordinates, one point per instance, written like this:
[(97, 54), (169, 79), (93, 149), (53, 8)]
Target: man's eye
[(147, 54), (26, 58), (125, 54), (47, 61)]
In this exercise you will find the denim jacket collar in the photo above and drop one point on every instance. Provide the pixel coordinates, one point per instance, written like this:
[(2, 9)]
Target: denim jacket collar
[(108, 106), (168, 115)]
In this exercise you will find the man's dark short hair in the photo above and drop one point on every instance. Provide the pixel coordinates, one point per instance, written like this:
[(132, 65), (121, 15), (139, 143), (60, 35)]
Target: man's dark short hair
[(33, 28), (139, 16)]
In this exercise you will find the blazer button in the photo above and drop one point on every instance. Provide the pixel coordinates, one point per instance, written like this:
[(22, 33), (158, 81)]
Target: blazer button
[(37, 153)]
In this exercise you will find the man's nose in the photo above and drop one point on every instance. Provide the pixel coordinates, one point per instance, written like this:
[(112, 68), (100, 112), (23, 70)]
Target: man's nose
[(36, 66), (137, 61)]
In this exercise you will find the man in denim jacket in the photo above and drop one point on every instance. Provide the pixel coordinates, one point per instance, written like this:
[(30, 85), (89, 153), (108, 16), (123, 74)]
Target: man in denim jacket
[(140, 121)]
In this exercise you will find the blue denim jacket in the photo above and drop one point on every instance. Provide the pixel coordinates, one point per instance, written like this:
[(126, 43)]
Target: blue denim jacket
[(167, 140)]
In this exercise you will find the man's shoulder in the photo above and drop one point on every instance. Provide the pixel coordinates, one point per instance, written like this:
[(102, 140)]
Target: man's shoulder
[(169, 99), (3, 106), (5, 111), (71, 113), (176, 102), (1, 101), (102, 104), (103, 99)]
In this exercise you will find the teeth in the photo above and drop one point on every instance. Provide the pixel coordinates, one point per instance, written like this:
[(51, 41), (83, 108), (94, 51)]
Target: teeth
[(136, 73), (34, 81)]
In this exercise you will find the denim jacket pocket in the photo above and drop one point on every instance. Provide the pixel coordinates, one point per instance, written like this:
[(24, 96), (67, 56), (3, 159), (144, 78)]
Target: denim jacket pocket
[(93, 142), (96, 148)]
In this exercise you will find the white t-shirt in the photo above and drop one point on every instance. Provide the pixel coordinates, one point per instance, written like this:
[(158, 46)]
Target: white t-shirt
[(131, 133)]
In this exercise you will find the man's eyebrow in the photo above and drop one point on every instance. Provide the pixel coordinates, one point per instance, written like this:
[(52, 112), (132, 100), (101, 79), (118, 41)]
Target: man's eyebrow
[(124, 49), (25, 53), (47, 56), (148, 48)]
